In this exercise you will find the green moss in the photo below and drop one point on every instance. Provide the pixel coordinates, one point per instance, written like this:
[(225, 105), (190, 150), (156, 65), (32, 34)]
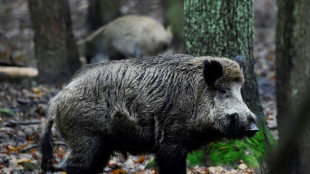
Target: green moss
[(6, 111), (195, 158), (229, 153)]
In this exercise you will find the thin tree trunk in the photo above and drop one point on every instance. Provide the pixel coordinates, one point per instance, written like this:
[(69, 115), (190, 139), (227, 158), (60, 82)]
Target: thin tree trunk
[(225, 29), (55, 47), (293, 75), (174, 15), (100, 12)]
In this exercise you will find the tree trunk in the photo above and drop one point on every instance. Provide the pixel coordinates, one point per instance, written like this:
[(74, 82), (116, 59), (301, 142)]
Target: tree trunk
[(293, 75), (225, 29), (174, 15), (55, 47), (100, 12)]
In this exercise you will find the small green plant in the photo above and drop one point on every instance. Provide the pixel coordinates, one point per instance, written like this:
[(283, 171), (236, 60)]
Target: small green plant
[(6, 111)]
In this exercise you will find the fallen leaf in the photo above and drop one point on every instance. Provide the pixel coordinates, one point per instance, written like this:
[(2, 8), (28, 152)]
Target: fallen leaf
[(243, 166), (1, 165), (119, 171), (37, 91), (140, 160), (34, 154)]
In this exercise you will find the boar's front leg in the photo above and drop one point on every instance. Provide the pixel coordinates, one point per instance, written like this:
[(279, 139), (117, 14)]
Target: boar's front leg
[(171, 158), (89, 155)]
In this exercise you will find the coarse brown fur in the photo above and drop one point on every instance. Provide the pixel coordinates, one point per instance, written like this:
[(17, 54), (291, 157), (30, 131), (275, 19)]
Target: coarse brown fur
[(160, 105)]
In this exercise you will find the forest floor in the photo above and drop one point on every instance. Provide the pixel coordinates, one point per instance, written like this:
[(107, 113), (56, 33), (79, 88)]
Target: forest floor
[(23, 103)]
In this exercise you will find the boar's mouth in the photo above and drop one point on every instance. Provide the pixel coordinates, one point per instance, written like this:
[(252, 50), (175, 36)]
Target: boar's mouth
[(239, 131)]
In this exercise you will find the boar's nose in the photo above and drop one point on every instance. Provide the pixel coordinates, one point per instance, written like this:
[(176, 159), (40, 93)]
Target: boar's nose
[(252, 130)]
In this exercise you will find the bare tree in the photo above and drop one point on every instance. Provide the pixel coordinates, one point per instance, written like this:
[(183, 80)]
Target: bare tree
[(293, 75), (55, 47)]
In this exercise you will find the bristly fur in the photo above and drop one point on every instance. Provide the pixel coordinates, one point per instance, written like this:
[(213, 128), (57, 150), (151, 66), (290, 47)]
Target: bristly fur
[(47, 147), (162, 105), (242, 63), (212, 71)]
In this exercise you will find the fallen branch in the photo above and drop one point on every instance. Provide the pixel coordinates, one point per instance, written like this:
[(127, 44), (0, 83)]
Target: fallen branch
[(23, 123), (19, 71)]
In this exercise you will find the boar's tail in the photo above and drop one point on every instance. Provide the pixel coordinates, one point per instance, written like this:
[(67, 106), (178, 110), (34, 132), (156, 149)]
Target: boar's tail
[(46, 144)]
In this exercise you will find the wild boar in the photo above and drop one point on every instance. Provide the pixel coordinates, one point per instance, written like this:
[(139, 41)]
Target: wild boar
[(127, 36), (164, 105)]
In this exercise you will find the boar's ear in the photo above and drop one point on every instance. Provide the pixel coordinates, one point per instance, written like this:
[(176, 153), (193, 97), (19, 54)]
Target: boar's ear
[(242, 63), (212, 70)]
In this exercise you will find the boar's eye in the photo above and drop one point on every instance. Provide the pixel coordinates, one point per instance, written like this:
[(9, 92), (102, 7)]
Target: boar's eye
[(223, 92)]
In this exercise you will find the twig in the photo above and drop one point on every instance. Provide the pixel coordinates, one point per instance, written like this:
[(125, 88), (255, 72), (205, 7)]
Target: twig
[(29, 147), (32, 146), (15, 123)]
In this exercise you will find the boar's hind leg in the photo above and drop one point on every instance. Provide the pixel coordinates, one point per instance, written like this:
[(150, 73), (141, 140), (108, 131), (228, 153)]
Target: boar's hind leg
[(171, 159), (89, 155)]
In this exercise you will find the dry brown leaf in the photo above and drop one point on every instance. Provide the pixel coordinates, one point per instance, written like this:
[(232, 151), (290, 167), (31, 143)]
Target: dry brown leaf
[(34, 154), (1, 165), (37, 91), (140, 160), (21, 146), (119, 171), (61, 152)]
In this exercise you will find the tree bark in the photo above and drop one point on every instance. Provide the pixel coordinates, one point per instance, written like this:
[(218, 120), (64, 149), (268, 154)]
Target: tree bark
[(225, 29), (55, 47), (293, 75), (100, 12), (174, 15)]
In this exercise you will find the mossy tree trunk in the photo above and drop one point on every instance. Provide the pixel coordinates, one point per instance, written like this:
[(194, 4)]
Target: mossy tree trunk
[(55, 47), (174, 16), (293, 77), (225, 29)]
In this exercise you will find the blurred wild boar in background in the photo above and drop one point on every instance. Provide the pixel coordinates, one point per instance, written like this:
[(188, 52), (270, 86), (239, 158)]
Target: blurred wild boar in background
[(127, 36), (164, 105)]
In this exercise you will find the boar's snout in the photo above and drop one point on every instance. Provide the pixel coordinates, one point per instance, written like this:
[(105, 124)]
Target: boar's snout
[(252, 129), (240, 126)]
